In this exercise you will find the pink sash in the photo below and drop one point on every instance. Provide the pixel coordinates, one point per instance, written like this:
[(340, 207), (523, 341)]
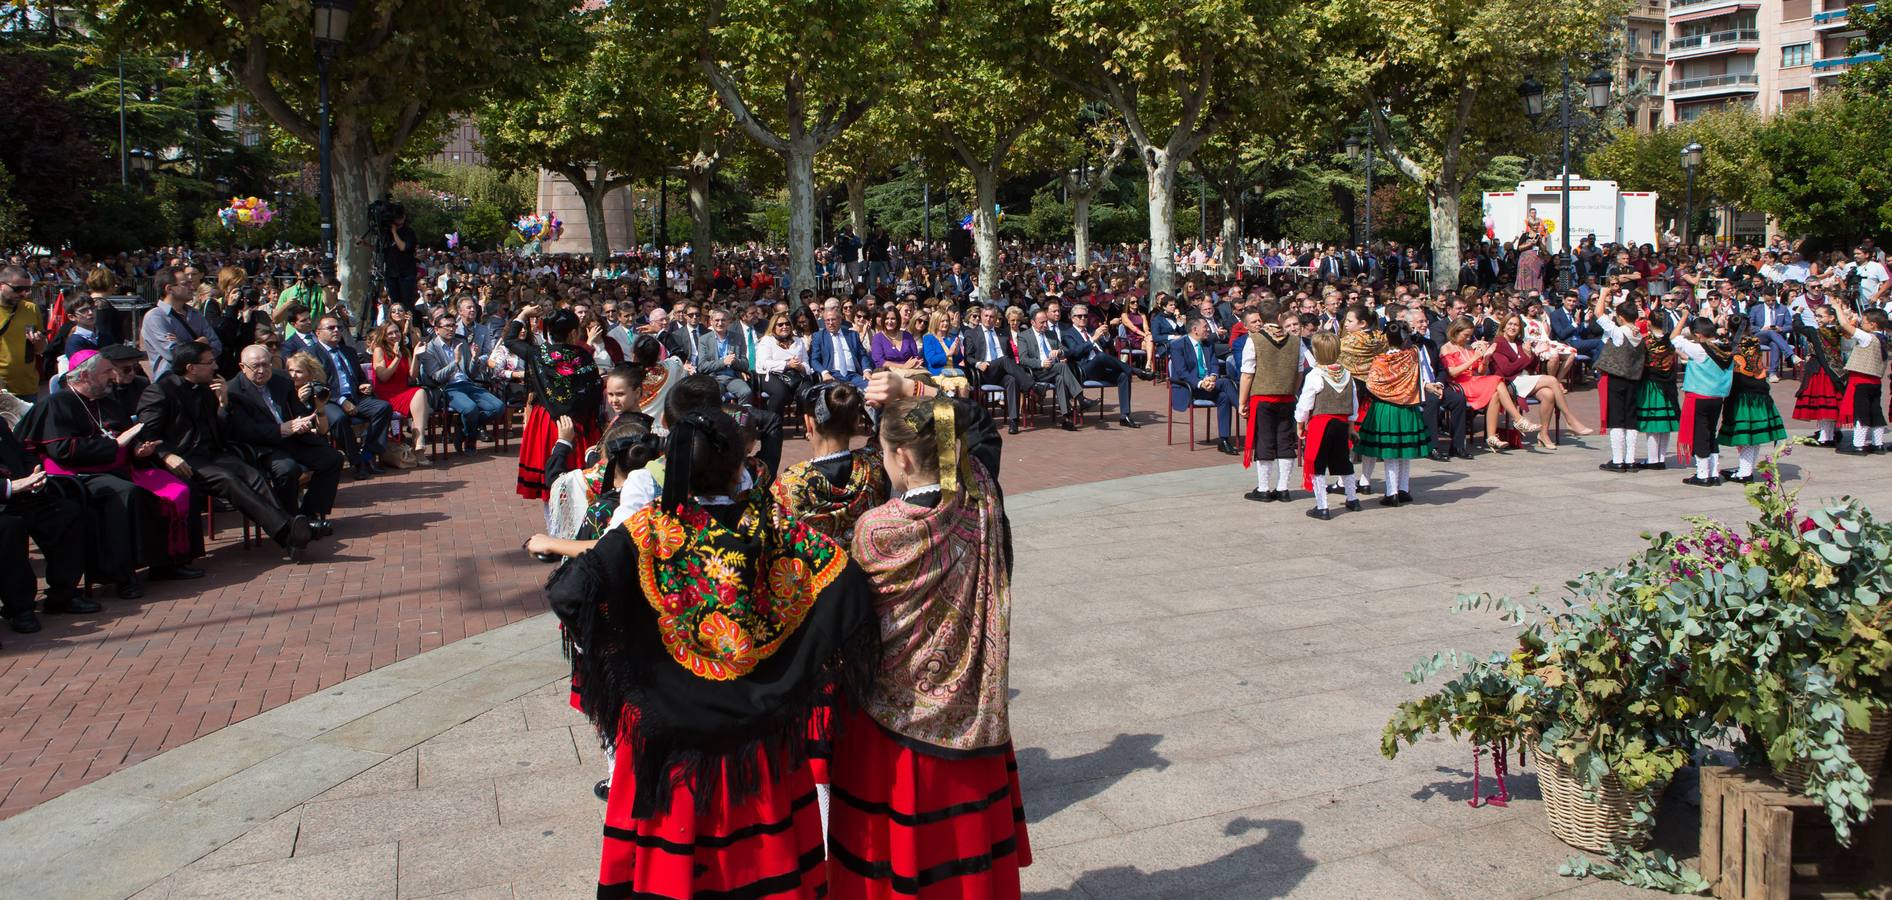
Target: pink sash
[(173, 493)]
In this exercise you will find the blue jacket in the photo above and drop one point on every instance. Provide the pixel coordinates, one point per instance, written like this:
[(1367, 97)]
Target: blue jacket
[(821, 355), (1184, 371), (938, 358)]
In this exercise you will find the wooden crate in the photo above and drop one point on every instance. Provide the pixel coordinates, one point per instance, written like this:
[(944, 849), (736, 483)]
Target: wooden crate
[(1761, 841)]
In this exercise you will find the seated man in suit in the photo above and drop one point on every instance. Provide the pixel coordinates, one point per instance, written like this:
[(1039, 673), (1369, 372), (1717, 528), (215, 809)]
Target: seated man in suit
[(29, 506), (1571, 324), (1041, 353), (186, 410), (1192, 376), (1086, 347), (450, 364), (349, 401), (289, 436), (990, 354), (836, 353), (1441, 400), (720, 354)]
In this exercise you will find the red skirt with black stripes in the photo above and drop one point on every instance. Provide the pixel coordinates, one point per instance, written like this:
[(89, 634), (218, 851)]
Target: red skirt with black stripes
[(902, 823), (768, 847)]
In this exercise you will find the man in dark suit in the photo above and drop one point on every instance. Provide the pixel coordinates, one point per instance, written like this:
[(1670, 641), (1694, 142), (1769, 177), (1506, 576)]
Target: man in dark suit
[(1041, 353), (349, 400), (1441, 401), (1331, 268), (1086, 346), (671, 335), (30, 507), (186, 411), (722, 354), (1571, 324), (267, 413), (835, 353), (989, 351), (1193, 376)]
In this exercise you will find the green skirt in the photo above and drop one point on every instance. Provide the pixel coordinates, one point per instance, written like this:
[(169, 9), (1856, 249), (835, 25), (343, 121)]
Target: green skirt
[(1656, 409), (1750, 419), (1393, 432)]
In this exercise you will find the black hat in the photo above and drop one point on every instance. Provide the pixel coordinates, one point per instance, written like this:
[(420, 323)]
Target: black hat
[(121, 353)]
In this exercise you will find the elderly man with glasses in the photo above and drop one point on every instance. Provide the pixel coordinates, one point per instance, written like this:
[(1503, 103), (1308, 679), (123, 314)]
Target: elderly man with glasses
[(448, 364), (280, 422)]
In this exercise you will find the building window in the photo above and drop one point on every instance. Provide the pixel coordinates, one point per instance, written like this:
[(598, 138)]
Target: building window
[(1796, 55), (1635, 42), (1791, 99)]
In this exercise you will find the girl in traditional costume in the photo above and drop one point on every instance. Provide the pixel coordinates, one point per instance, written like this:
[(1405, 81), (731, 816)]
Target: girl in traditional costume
[(1750, 418), (710, 623), (926, 794), (1658, 409), (1360, 345), (564, 381), (1823, 377), (1705, 386), (1323, 412), (831, 492), (1394, 430)]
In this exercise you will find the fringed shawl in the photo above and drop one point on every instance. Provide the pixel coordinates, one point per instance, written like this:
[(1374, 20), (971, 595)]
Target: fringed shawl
[(1358, 350), (1395, 377), (942, 592)]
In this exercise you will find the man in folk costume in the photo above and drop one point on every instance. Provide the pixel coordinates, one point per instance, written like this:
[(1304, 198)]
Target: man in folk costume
[(1271, 375), (926, 794), (1620, 364), (1824, 373), (707, 627), (1705, 387)]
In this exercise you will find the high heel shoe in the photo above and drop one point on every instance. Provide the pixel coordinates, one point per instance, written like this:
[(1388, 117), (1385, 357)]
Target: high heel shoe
[(1528, 427), (1582, 432), (1493, 443)]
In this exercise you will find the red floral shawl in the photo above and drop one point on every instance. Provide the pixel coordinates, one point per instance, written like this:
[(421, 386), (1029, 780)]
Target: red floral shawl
[(944, 600)]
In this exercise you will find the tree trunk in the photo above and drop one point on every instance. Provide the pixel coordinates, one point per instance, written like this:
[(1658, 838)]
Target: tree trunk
[(593, 195), (985, 230), (1081, 225), (801, 219), (1442, 202), (1162, 176), (857, 204), (1231, 232), (698, 179), (359, 181)]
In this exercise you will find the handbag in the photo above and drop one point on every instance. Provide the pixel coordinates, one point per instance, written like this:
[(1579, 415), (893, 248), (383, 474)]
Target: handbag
[(399, 455)]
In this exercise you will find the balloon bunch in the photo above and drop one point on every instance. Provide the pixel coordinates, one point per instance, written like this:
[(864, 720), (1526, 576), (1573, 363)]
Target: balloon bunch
[(248, 212), (539, 226), (453, 240)]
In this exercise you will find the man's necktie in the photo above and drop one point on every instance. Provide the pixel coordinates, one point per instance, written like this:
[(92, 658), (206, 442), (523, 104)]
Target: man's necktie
[(1202, 361)]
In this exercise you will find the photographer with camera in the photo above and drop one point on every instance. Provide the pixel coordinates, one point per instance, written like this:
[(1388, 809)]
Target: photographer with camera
[(308, 291), (399, 266)]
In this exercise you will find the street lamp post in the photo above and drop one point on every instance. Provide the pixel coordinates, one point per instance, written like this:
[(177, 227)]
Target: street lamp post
[(330, 27), (1597, 97), (1691, 160), (663, 233), (1354, 150)]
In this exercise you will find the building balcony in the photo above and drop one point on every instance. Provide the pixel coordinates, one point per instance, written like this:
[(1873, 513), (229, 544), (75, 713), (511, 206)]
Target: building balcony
[(1713, 85), (1698, 9), (1734, 40), (1825, 68), (1839, 19)]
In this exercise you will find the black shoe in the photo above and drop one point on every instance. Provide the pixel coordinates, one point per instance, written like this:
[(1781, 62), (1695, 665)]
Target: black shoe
[(24, 623), (1321, 514), (131, 590), (1405, 497), (1738, 479), (1128, 422), (1618, 468), (1440, 456), (296, 535), (1876, 448), (1850, 450), (602, 789), (1462, 454), (1283, 496), (1068, 423), (1335, 489), (1699, 481), (321, 527), (362, 473), (1227, 445), (1145, 374), (1353, 505), (1012, 428), (1645, 466), (373, 466), (177, 573), (1259, 496), (72, 604), (1089, 403), (1389, 500)]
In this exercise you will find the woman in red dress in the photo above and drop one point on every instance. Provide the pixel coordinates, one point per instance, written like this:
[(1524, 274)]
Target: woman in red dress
[(704, 629), (1468, 366), (563, 379), (926, 799), (393, 363)]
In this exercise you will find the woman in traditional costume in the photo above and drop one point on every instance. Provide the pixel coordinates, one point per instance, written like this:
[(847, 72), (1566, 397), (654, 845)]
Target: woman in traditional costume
[(926, 796), (1823, 377), (1658, 407), (709, 625), (1395, 429), (1749, 419), (1360, 344), (564, 382), (831, 492)]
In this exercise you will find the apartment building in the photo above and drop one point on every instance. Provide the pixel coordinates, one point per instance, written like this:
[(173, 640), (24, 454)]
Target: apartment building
[(1765, 55), (1639, 69)]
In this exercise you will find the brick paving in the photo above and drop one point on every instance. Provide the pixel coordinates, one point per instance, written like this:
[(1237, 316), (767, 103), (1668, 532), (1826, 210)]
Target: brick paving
[(419, 559)]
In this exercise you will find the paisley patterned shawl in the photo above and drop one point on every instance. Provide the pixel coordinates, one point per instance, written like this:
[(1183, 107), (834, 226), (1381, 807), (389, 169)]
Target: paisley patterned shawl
[(943, 597), (726, 598), (1395, 377), (831, 510), (1358, 350)]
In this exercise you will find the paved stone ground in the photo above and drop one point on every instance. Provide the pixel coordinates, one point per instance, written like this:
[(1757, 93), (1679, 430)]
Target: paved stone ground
[(1199, 688), (420, 559)]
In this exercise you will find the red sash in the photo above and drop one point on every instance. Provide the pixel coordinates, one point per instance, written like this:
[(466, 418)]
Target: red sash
[(1685, 434), (1853, 381), (1254, 402), (1316, 429), (1603, 399)]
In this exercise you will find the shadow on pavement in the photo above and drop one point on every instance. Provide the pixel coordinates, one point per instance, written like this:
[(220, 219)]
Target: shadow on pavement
[(1271, 868), (1457, 786), (1096, 771)]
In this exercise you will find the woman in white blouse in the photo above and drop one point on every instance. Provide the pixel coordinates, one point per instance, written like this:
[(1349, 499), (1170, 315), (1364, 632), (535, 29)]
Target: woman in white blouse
[(781, 361)]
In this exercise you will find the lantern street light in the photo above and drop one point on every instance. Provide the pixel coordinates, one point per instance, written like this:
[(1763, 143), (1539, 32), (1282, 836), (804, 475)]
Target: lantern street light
[(1597, 98), (1354, 147), (330, 30), (1691, 160)]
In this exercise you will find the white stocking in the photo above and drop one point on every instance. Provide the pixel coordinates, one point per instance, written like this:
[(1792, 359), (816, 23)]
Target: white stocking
[(1658, 448), (1704, 467), (1859, 436), (1827, 427), (1878, 436), (1320, 499), (1261, 474), (1748, 456), (1350, 483), (1619, 444), (1405, 475), (1283, 469), (1391, 478), (1366, 472)]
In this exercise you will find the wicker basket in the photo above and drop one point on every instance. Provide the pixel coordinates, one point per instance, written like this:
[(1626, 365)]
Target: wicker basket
[(1585, 821), (1868, 749)]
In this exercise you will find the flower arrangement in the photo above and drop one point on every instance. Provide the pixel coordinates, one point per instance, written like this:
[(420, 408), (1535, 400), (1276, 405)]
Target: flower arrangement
[(1771, 635), (245, 212)]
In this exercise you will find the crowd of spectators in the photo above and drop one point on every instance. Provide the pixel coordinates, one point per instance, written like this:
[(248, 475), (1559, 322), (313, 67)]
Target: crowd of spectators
[(135, 386)]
